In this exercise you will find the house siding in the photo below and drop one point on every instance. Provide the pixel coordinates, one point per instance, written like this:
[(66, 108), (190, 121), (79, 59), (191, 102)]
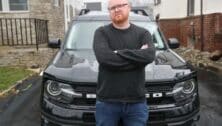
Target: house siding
[(169, 9)]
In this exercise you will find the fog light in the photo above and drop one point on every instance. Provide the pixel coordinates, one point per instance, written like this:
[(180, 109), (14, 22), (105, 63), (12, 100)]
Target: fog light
[(53, 88)]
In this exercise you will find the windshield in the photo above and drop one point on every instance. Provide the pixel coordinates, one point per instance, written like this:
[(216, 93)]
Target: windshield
[(81, 34)]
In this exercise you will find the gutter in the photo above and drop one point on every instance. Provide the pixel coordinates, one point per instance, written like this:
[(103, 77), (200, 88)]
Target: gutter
[(202, 25)]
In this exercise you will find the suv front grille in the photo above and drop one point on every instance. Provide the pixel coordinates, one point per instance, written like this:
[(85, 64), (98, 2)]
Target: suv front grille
[(84, 102), (155, 116), (89, 117), (151, 89), (85, 89), (160, 101)]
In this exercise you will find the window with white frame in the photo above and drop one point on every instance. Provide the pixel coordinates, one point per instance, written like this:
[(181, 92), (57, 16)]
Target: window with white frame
[(56, 3), (18, 5), (13, 5), (190, 8)]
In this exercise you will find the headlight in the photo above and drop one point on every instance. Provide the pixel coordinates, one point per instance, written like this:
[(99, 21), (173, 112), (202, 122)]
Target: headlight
[(188, 87), (183, 90), (53, 88), (60, 91)]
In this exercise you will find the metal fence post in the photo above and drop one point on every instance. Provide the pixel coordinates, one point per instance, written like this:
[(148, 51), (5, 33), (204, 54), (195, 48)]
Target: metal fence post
[(47, 34), (37, 46), (2, 35), (7, 36)]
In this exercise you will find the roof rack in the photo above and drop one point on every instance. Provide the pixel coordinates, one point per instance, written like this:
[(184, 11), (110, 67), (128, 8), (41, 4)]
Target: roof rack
[(137, 11), (84, 11)]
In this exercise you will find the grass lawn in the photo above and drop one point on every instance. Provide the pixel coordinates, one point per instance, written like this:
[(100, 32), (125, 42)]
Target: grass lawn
[(8, 76)]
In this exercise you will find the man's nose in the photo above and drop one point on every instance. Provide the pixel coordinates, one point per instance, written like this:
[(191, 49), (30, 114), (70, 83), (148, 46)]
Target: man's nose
[(117, 9)]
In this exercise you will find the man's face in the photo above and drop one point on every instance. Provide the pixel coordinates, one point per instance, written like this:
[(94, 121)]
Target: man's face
[(119, 11)]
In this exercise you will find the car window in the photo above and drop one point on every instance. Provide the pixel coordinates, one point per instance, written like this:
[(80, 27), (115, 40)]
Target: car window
[(153, 29), (81, 34)]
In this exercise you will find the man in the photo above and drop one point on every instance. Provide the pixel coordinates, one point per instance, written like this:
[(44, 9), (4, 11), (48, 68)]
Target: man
[(122, 50)]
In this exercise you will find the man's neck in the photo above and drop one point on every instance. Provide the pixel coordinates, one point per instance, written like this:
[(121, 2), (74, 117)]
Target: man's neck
[(122, 26)]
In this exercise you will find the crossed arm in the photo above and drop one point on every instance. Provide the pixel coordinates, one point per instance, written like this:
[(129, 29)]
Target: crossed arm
[(125, 59)]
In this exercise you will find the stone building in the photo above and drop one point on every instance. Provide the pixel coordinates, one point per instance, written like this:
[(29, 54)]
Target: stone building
[(51, 10)]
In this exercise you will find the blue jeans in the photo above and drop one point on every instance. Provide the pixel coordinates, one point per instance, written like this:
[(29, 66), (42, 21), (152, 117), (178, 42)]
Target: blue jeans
[(132, 114)]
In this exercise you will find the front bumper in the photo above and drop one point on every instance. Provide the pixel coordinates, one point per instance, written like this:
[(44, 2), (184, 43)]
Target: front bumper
[(54, 115), (48, 120)]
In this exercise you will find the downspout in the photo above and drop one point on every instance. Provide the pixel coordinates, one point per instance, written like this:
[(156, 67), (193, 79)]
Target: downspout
[(68, 13), (65, 15), (202, 25)]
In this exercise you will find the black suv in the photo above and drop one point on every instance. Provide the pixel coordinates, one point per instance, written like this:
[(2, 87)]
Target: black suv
[(69, 81)]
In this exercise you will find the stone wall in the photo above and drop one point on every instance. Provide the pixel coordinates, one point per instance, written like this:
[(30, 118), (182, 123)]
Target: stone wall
[(43, 9), (188, 31), (26, 57), (199, 59)]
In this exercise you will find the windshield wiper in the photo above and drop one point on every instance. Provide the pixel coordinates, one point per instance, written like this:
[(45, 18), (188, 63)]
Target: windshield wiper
[(70, 49)]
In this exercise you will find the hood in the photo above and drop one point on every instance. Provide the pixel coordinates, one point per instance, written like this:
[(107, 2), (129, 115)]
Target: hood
[(81, 66), (75, 66), (167, 66)]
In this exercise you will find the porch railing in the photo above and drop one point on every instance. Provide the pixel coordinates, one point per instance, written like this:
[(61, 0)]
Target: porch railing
[(23, 31)]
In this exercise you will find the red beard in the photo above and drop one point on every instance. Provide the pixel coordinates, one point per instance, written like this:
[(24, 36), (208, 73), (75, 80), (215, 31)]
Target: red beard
[(120, 18)]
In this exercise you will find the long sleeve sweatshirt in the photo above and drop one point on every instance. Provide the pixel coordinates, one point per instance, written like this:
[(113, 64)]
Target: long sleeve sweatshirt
[(122, 62)]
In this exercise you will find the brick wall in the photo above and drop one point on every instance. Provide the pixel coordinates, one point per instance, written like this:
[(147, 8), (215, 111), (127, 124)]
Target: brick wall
[(170, 28), (183, 30)]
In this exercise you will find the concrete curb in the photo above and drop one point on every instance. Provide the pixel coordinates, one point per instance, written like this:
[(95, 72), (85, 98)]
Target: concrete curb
[(214, 67), (5, 92), (210, 66)]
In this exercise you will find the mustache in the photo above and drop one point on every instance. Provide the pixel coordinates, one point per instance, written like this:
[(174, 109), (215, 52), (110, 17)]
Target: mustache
[(118, 12)]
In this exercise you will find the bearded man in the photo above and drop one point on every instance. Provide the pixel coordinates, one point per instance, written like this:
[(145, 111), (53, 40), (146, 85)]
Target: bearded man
[(122, 50)]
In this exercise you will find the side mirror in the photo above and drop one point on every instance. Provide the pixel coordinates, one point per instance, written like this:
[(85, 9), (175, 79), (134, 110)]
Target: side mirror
[(173, 43), (157, 17), (54, 43)]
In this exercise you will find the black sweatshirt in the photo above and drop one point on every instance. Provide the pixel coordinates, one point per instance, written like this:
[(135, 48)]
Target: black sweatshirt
[(121, 75)]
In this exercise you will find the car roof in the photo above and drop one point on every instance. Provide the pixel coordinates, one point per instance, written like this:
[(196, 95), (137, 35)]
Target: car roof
[(104, 16)]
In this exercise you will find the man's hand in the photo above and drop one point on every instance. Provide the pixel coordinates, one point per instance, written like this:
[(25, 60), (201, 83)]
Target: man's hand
[(145, 46)]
